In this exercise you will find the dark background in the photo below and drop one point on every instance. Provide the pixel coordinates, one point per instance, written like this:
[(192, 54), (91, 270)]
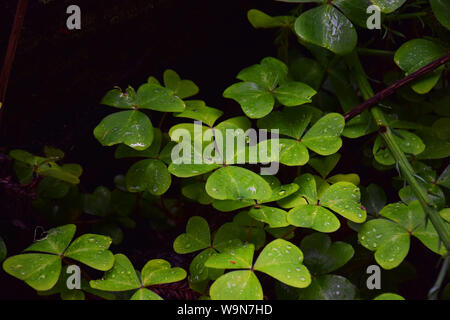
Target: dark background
[(59, 77)]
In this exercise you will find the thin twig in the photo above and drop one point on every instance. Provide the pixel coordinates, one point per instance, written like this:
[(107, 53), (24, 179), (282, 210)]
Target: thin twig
[(11, 51), (433, 293), (392, 88)]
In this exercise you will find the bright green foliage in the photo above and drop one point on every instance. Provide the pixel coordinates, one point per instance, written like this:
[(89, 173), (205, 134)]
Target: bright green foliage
[(389, 296), (123, 277), (41, 270), (262, 84), (259, 19), (390, 237), (197, 236)]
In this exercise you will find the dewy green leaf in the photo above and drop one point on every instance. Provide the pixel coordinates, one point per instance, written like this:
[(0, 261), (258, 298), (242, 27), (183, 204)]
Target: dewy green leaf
[(283, 261), (237, 256), (291, 94), (159, 271), (181, 88), (314, 217), (40, 271), (148, 175), (441, 9), (122, 100), (415, 54), (235, 183), (132, 128), (291, 122), (388, 6), (325, 165), (92, 250), (322, 256), (324, 136), (355, 10), (389, 241), (196, 110), (259, 19), (124, 151), (56, 240), (274, 217), (329, 287), (145, 294), (237, 285), (197, 269), (197, 237), (122, 277), (154, 97), (268, 74), (325, 26), (344, 198), (292, 152), (255, 100)]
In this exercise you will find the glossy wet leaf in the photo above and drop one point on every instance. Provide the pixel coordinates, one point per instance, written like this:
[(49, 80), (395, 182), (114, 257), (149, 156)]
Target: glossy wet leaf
[(441, 10), (122, 277), (197, 236), (389, 240), (55, 241), (407, 141), (181, 88), (329, 287), (198, 111), (124, 151), (255, 100), (145, 294), (188, 170), (148, 175), (132, 128), (235, 183), (237, 256), (259, 19), (324, 165), (197, 269), (232, 205), (237, 285), (117, 98), (322, 256), (344, 198), (314, 217), (196, 191), (159, 271), (154, 97), (291, 122), (293, 153), (40, 271), (283, 261), (293, 93), (324, 136), (281, 192), (389, 296), (326, 27), (416, 54), (92, 250), (355, 10), (268, 74), (274, 217), (388, 6)]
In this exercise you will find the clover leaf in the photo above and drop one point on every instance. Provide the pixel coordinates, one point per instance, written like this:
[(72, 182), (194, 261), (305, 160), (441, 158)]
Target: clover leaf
[(181, 88), (197, 236), (197, 110), (327, 27), (390, 238), (132, 128), (280, 259), (123, 277), (259, 19), (312, 211), (41, 270), (149, 175), (322, 256), (262, 84), (329, 287)]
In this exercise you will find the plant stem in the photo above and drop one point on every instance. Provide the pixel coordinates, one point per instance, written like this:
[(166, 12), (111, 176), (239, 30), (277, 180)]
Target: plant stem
[(372, 99), (433, 293), (405, 167), (375, 52)]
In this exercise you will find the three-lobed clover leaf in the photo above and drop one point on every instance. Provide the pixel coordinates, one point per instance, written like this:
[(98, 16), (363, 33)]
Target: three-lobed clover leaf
[(197, 236), (149, 175), (279, 259), (41, 270), (311, 210), (181, 88), (323, 137), (262, 84), (390, 237), (123, 277)]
